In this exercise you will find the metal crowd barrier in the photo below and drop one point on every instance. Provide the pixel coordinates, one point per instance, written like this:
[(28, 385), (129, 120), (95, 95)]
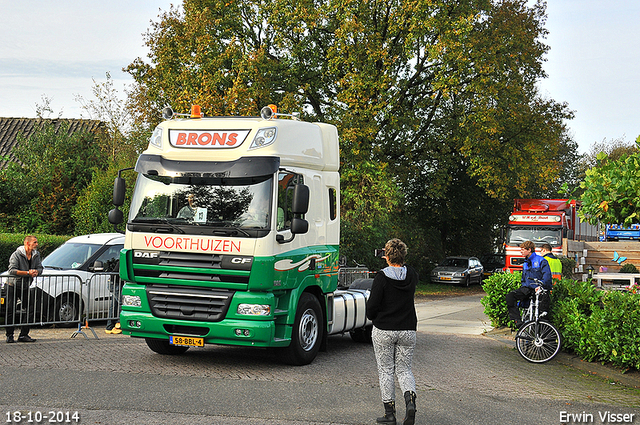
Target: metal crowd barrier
[(347, 275), (60, 299)]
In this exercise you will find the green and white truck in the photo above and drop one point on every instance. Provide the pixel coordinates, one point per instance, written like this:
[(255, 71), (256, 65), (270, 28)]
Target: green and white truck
[(232, 237)]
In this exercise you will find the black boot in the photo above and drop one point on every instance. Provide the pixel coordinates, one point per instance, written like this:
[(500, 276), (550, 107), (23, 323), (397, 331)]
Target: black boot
[(389, 414), (410, 399)]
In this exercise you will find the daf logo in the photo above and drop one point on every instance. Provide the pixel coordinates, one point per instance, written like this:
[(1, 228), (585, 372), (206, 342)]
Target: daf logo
[(240, 260), (146, 254)]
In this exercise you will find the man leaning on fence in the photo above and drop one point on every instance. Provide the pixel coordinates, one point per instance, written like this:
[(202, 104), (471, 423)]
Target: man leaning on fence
[(24, 265)]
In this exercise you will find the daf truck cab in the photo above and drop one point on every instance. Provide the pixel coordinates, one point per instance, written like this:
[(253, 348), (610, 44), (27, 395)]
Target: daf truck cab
[(232, 237)]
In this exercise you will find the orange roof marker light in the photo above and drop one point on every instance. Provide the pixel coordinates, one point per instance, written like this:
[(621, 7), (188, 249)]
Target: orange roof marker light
[(195, 111)]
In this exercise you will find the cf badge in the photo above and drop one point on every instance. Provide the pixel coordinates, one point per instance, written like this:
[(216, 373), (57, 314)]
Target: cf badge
[(237, 262)]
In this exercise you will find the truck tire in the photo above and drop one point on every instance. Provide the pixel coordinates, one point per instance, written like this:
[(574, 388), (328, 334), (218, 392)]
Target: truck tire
[(307, 332), (162, 346), (362, 334)]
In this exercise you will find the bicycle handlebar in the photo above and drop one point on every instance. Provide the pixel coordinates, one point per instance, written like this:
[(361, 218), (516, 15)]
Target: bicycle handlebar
[(541, 288)]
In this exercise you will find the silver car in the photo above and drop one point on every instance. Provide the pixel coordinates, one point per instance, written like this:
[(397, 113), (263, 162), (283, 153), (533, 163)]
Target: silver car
[(81, 266), (459, 270)]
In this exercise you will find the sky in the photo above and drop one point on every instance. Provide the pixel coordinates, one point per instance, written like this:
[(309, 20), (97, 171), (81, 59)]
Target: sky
[(56, 49)]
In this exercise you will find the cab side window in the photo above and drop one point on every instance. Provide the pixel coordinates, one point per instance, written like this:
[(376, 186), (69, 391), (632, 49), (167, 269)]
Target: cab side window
[(333, 204), (286, 182), (110, 258)]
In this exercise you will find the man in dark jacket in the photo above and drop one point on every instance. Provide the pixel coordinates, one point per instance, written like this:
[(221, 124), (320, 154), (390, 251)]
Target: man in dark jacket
[(535, 268), (24, 265)]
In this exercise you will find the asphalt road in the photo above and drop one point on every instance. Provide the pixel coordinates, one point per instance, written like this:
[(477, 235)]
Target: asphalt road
[(462, 377)]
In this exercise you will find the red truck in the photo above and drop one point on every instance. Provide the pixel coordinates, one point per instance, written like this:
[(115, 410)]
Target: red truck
[(544, 221)]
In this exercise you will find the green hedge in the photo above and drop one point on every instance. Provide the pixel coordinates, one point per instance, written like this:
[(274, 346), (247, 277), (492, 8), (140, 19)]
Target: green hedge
[(596, 325), (497, 286), (10, 241)]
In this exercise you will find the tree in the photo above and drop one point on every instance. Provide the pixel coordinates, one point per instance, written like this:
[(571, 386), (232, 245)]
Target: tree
[(366, 223), (40, 189), (441, 96), (612, 189), (119, 149), (614, 149), (108, 107)]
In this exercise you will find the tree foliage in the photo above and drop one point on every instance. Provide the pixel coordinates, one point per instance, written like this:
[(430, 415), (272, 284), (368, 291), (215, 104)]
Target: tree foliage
[(120, 149), (440, 95), (62, 179), (39, 191), (108, 107), (612, 189)]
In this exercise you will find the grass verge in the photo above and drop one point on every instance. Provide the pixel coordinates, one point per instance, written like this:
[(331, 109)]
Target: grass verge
[(435, 290)]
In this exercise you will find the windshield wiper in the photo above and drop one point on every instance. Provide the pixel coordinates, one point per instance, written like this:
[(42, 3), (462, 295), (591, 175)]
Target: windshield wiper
[(230, 230), (157, 220)]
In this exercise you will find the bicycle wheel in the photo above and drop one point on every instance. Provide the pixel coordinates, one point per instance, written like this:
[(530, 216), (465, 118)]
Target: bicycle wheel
[(538, 342)]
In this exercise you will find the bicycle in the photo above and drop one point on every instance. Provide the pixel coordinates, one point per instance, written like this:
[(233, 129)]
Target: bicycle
[(538, 341)]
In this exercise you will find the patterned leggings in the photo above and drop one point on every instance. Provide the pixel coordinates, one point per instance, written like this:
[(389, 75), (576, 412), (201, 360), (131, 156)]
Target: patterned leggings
[(394, 354)]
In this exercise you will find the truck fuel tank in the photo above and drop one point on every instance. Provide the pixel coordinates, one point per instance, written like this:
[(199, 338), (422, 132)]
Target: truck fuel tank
[(347, 310)]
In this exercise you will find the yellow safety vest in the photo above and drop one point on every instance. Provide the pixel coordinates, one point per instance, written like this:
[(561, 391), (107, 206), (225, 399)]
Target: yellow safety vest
[(555, 265)]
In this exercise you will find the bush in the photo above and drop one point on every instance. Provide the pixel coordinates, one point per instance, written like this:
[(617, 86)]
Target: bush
[(40, 188), (598, 325), (568, 264), (10, 241), (495, 306), (628, 268), (571, 303), (91, 212), (617, 329)]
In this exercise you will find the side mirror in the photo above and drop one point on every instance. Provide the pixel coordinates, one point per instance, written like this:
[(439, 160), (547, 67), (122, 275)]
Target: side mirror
[(119, 190), (115, 216), (299, 206), (299, 225), (97, 267), (300, 201)]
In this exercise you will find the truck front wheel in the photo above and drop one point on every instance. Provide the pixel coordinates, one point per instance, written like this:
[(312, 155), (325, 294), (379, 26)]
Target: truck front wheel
[(307, 332), (162, 346)]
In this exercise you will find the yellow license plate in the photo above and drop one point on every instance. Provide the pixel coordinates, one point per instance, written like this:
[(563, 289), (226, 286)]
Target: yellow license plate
[(187, 341), (445, 278)]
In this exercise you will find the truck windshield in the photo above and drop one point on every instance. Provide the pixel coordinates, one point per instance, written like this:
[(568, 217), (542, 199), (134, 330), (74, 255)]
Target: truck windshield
[(537, 235), (203, 201)]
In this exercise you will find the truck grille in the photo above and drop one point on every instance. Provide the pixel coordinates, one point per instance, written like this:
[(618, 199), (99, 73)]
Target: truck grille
[(189, 303), (150, 266)]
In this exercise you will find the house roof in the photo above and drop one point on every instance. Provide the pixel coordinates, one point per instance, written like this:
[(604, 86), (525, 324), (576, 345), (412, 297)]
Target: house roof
[(10, 128)]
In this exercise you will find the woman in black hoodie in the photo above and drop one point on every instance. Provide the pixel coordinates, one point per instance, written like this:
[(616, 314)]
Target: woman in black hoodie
[(391, 308)]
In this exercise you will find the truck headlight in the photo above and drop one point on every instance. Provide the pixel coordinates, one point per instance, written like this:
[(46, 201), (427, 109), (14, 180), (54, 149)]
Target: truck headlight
[(131, 301), (254, 309), (156, 138), (264, 137)]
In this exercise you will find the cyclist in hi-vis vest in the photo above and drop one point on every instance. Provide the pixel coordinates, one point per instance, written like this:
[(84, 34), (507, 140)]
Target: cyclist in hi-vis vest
[(554, 262)]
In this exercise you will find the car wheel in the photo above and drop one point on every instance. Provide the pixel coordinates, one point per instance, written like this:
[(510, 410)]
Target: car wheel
[(67, 308), (162, 346), (467, 281)]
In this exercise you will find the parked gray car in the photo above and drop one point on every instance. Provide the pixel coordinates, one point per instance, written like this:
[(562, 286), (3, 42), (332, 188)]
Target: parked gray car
[(459, 270)]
